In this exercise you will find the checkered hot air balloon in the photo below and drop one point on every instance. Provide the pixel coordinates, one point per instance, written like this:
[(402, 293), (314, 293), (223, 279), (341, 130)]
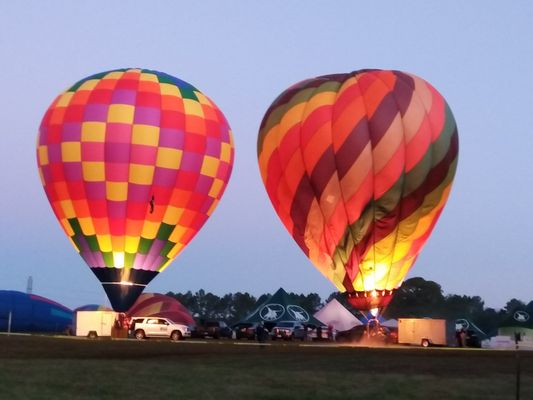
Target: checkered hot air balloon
[(358, 167), (133, 162)]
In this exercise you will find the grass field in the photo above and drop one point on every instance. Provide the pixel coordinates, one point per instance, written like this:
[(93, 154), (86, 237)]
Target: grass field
[(40, 367)]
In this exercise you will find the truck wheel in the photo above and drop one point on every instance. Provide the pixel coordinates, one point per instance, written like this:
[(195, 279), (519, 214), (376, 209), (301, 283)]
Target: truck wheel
[(176, 335), (92, 335), (425, 343), (139, 335)]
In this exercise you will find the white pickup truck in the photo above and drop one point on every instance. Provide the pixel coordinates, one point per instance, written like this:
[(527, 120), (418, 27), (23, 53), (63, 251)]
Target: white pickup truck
[(146, 327)]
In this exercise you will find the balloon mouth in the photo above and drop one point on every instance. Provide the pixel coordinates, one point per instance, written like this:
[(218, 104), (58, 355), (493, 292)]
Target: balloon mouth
[(122, 295), (123, 285), (370, 300)]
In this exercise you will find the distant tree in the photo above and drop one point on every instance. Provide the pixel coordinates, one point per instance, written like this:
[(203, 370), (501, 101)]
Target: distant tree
[(311, 302), (416, 298), (188, 300), (513, 305), (456, 306), (209, 306), (488, 320), (242, 305)]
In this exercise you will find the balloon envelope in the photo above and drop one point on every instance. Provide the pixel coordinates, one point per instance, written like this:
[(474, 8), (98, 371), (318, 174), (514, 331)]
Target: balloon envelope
[(23, 312), (358, 167), (159, 305), (133, 162)]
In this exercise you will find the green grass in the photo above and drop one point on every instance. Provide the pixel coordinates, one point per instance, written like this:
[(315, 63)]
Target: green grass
[(39, 367)]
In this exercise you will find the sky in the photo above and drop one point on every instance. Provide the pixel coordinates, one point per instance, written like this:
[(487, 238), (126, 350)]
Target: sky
[(242, 54)]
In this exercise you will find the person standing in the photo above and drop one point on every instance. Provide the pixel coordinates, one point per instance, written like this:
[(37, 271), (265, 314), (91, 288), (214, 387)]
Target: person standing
[(330, 333), (260, 332)]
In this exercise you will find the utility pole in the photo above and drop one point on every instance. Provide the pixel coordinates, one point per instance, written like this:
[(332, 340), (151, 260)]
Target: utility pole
[(29, 286), (517, 354)]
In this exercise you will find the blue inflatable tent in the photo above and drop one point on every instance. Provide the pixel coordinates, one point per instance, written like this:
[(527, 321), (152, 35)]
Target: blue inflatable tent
[(32, 313)]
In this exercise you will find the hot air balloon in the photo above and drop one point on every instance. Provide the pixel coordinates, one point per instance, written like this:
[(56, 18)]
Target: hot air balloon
[(159, 305), (358, 167), (133, 162)]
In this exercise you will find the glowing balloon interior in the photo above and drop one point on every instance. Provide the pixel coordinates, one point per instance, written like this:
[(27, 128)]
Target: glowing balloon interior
[(358, 167), (133, 162)]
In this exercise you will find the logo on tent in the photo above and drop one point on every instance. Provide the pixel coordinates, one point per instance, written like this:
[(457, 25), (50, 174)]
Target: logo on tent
[(521, 316), (461, 323), (271, 312), (298, 313)]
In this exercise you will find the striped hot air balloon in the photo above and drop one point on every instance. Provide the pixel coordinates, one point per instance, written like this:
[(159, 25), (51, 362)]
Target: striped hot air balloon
[(358, 167), (159, 305), (133, 162)]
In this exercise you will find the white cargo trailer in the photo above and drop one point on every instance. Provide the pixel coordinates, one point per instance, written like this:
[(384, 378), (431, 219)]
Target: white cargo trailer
[(95, 324), (424, 331)]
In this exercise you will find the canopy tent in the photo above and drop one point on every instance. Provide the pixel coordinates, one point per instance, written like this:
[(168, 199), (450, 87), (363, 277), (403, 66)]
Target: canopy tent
[(467, 325), (280, 308), (336, 315), (160, 305), (390, 323), (22, 312), (519, 322)]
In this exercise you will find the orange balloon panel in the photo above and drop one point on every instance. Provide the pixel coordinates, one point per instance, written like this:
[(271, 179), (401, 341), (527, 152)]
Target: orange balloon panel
[(133, 162), (358, 167)]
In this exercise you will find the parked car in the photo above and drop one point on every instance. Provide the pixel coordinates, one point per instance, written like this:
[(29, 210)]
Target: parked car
[(472, 339), (382, 335), (310, 332), (245, 330), (354, 334), (285, 330), (214, 329), (146, 327)]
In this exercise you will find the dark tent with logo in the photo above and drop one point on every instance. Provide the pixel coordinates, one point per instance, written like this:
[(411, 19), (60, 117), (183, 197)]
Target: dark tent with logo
[(23, 312), (470, 327), (280, 308), (519, 322), (474, 335)]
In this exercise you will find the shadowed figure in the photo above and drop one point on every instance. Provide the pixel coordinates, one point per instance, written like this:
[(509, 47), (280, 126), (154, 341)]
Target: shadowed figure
[(152, 204)]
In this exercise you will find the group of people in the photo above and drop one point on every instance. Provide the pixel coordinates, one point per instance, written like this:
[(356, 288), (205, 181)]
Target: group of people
[(261, 332)]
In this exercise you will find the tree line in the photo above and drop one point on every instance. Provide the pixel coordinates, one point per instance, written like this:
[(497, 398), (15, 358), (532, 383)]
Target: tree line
[(416, 298)]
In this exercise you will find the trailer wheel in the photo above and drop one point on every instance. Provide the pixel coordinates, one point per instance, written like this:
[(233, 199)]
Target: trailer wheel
[(92, 335), (425, 343), (139, 334)]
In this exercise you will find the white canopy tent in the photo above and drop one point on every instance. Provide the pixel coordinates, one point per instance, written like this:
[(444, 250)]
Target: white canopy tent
[(390, 323), (336, 315)]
